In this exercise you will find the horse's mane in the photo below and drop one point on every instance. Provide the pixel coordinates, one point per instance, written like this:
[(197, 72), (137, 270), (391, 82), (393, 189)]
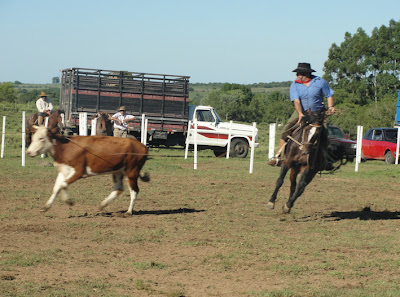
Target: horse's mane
[(313, 117)]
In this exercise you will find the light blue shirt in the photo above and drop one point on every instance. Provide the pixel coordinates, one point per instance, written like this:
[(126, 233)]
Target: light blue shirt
[(311, 97)]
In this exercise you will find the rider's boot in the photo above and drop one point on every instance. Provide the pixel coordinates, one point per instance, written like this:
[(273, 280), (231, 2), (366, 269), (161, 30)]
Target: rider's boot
[(277, 160), (40, 120)]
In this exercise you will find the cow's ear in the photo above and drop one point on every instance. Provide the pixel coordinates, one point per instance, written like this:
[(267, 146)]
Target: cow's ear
[(34, 127)]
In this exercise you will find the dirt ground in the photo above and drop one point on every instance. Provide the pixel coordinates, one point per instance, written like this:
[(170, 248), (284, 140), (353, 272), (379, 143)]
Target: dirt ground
[(201, 233)]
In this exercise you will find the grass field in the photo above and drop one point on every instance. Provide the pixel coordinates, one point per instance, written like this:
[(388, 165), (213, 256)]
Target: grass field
[(202, 232)]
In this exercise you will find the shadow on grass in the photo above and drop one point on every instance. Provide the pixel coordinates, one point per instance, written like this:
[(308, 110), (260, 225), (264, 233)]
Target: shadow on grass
[(150, 212), (365, 214)]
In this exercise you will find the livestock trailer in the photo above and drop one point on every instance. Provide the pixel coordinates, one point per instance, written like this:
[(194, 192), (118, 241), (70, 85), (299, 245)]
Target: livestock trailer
[(163, 98)]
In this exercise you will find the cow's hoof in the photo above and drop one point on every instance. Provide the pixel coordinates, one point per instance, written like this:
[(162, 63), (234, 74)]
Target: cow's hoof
[(270, 205), (44, 209), (285, 208), (70, 202)]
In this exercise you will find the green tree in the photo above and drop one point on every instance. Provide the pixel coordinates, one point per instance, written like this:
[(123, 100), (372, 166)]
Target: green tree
[(364, 69), (8, 92)]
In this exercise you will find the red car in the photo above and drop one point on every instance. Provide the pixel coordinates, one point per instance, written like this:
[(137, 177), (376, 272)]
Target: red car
[(380, 144)]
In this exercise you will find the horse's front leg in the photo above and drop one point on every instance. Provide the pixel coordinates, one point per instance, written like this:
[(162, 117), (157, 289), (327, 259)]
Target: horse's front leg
[(305, 179), (293, 179), (279, 183)]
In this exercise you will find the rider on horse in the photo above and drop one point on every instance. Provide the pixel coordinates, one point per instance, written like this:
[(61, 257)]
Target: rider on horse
[(44, 106), (307, 93)]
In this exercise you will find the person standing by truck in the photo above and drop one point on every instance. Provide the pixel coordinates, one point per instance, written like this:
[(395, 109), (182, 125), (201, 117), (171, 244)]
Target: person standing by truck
[(44, 106), (307, 92), (121, 120)]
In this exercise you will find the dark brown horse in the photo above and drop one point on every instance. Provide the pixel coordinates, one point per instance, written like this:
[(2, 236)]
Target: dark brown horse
[(54, 121), (307, 152), (104, 126)]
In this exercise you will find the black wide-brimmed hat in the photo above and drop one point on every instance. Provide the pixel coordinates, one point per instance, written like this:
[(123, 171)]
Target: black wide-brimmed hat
[(304, 67)]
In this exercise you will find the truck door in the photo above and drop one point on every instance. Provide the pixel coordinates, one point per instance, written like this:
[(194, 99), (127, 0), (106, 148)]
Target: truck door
[(206, 124)]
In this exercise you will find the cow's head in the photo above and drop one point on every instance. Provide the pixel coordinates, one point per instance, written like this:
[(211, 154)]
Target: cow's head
[(41, 142)]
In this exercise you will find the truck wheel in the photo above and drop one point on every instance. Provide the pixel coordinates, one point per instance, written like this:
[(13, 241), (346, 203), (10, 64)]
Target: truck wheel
[(239, 148), (389, 158)]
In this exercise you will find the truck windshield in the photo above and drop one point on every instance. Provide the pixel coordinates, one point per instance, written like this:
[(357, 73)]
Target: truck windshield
[(204, 116), (335, 132)]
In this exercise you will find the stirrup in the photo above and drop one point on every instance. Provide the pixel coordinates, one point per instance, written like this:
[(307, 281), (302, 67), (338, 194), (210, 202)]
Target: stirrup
[(275, 161)]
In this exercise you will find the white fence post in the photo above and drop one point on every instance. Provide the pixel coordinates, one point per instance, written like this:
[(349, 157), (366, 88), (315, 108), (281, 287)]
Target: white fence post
[(83, 124), (3, 137), (146, 122), (271, 147), (187, 139), (63, 119), (228, 146), (142, 128), (359, 144), (23, 139), (195, 145), (253, 142), (397, 146), (93, 127)]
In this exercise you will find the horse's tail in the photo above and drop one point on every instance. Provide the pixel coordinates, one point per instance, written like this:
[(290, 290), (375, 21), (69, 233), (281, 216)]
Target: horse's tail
[(336, 153)]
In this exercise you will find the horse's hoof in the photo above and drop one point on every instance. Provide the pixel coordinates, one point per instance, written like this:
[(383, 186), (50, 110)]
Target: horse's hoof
[(285, 208), (44, 209), (270, 205)]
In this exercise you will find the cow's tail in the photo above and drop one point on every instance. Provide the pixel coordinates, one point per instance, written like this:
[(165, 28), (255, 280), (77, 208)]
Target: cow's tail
[(145, 177)]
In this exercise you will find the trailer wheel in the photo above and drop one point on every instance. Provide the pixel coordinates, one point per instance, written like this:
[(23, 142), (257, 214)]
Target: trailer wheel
[(389, 158), (239, 148)]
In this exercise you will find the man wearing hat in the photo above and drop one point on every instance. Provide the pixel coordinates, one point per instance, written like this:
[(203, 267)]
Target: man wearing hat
[(44, 106), (307, 92), (121, 120)]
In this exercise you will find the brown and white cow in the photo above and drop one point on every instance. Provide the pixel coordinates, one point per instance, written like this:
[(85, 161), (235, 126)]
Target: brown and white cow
[(83, 156)]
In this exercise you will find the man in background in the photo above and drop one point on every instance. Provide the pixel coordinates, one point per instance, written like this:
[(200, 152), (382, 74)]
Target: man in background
[(44, 106), (121, 120)]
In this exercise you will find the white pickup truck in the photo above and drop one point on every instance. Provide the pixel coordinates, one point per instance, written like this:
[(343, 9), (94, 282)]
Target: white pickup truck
[(213, 134)]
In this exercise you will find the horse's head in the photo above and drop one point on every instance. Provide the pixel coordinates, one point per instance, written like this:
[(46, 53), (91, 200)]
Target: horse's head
[(103, 123), (56, 119)]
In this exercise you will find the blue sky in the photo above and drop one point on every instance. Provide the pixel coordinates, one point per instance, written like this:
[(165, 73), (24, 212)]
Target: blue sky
[(210, 40)]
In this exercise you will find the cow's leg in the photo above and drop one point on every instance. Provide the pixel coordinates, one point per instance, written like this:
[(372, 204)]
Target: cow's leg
[(305, 179), (118, 179), (60, 183), (65, 197), (279, 183), (133, 189), (65, 176)]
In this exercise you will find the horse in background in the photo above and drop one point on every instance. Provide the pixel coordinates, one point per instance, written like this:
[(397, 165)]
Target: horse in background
[(104, 125), (306, 154), (55, 120)]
